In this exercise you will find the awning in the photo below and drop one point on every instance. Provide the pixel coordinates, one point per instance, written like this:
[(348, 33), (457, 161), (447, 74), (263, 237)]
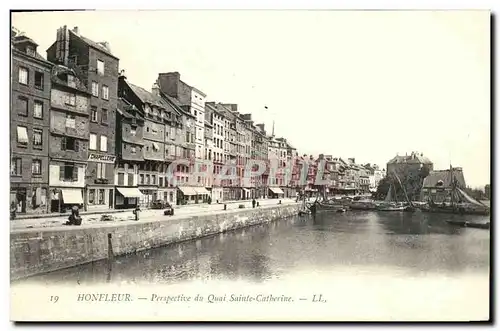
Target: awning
[(201, 190), (186, 190), (72, 196), (129, 192), (276, 190), (22, 134)]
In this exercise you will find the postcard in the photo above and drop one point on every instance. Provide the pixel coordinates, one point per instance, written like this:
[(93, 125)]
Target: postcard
[(250, 165)]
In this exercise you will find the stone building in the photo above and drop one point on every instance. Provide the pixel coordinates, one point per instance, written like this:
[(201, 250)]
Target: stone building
[(97, 69), (216, 119), (68, 139), (438, 185), (29, 126), (411, 171), (129, 151), (192, 101)]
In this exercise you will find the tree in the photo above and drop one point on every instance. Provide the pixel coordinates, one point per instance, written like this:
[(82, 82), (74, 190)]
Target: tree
[(382, 188)]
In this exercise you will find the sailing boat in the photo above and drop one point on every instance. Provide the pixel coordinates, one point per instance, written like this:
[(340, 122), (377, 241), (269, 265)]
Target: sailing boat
[(389, 204), (327, 205)]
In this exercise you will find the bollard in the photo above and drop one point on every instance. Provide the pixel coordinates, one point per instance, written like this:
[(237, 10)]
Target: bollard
[(225, 207), (279, 202)]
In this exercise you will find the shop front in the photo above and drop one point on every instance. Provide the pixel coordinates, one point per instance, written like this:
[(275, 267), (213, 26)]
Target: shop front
[(168, 195), (63, 199), (149, 194), (186, 195), (276, 193), (127, 197)]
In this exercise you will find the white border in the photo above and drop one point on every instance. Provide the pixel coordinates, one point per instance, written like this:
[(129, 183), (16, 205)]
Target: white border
[(165, 4)]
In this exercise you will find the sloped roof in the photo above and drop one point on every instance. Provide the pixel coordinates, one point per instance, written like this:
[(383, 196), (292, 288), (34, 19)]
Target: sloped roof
[(147, 97), (445, 176), (57, 70), (413, 158), (93, 44)]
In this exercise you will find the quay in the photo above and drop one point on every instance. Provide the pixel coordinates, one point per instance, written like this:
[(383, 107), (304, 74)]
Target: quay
[(53, 246)]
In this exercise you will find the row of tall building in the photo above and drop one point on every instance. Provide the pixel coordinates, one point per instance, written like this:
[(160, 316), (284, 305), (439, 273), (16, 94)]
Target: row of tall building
[(82, 133)]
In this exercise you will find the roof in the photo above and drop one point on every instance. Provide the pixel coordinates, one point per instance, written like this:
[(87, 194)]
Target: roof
[(147, 97), (93, 44), (413, 158), (444, 175), (58, 70)]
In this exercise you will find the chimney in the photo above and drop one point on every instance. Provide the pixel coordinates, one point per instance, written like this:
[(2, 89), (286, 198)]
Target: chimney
[(155, 90), (76, 30), (122, 74), (169, 83), (105, 44)]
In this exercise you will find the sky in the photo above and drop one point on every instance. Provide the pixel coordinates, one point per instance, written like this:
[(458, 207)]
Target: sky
[(362, 84)]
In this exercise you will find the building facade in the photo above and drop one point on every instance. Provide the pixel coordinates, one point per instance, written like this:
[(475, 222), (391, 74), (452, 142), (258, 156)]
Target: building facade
[(97, 69), (68, 139), (29, 127)]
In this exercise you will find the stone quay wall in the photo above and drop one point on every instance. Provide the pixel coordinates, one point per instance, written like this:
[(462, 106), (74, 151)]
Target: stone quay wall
[(36, 251)]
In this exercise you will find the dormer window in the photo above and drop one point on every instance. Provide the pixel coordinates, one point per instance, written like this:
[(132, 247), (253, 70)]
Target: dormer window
[(30, 50)]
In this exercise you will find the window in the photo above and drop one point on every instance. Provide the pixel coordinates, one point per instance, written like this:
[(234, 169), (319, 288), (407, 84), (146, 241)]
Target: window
[(104, 116), (93, 114), (16, 166), (121, 179), (104, 144), (70, 121), (68, 172), (95, 89), (130, 179), (71, 81), (101, 170), (39, 80), (147, 129), (161, 181), (172, 133), (153, 179), (91, 196), (71, 99), (100, 67), (22, 135), (101, 197), (36, 167), (30, 50), (147, 179), (38, 109), (133, 130), (93, 141), (105, 92), (69, 144), (132, 150), (23, 75), (22, 106), (37, 138), (141, 178)]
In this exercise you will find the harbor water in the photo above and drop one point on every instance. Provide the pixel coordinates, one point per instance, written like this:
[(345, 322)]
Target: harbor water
[(370, 265)]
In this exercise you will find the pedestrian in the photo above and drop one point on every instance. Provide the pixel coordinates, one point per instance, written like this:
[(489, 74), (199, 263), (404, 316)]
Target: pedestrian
[(13, 209), (253, 203), (136, 212)]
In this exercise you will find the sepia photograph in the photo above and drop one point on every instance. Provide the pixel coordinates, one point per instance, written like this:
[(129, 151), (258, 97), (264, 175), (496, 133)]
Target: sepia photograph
[(250, 165)]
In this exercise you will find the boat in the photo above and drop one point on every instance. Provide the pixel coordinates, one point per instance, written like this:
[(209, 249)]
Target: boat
[(363, 205), (460, 202), (467, 224), (325, 205)]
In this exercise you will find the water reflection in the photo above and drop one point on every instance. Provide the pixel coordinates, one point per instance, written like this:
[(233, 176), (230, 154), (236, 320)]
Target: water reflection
[(410, 242)]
